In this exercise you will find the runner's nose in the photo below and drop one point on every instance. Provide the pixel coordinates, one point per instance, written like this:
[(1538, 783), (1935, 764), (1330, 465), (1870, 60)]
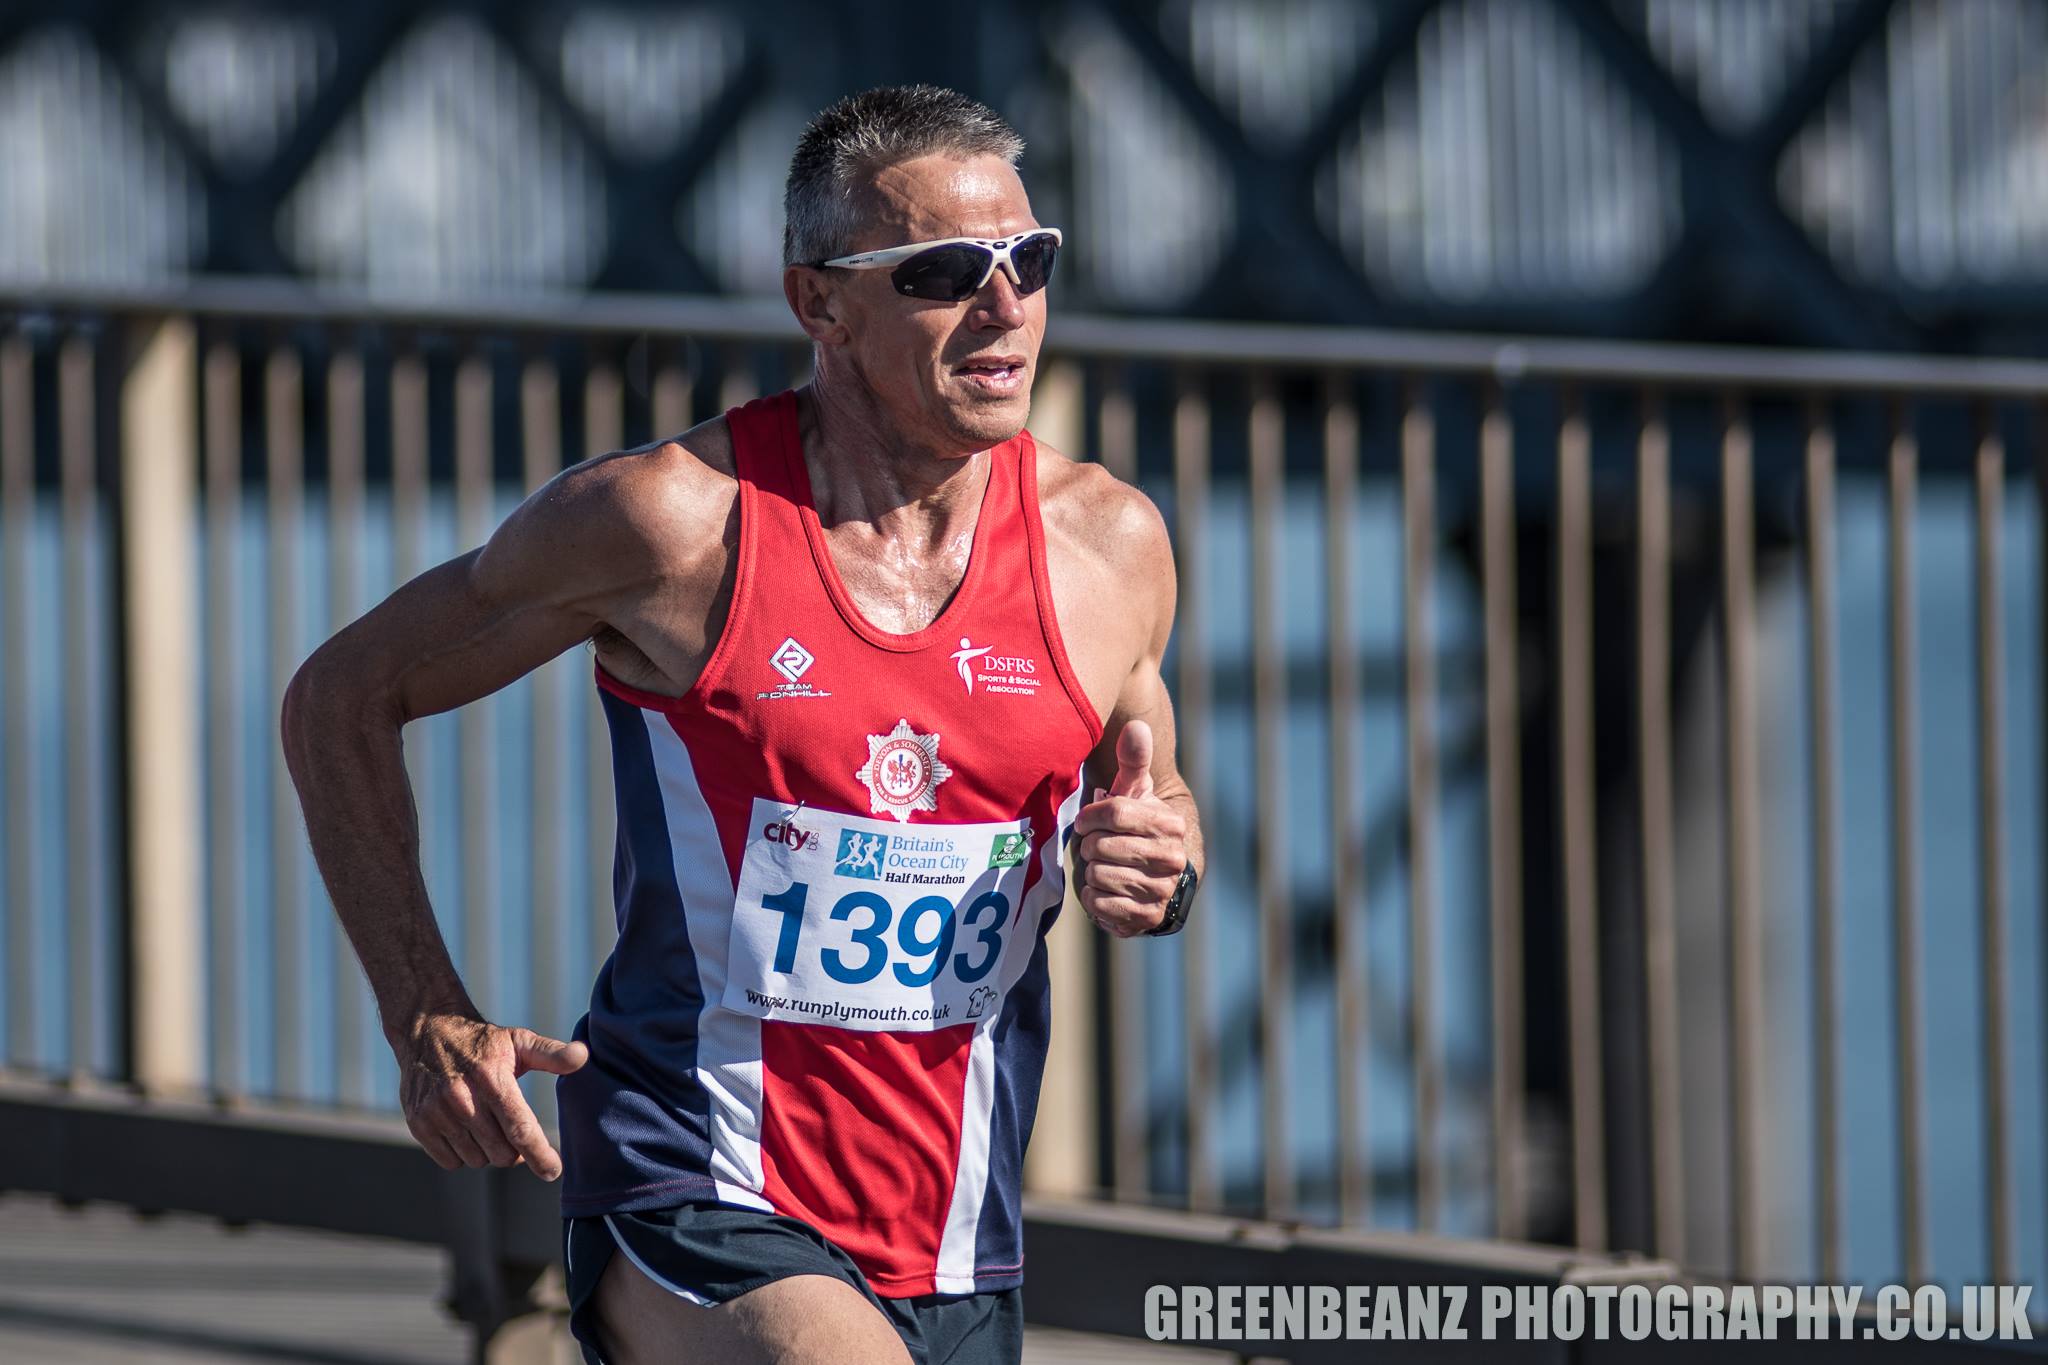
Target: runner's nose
[(999, 302)]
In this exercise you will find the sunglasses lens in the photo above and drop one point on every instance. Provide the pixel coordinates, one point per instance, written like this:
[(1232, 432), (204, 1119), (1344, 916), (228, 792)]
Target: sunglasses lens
[(1034, 258), (945, 273)]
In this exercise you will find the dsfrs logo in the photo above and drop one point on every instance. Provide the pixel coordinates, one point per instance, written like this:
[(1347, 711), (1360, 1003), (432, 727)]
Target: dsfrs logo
[(970, 657), (788, 833)]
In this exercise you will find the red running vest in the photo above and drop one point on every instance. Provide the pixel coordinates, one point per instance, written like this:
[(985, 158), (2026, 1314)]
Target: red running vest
[(838, 856)]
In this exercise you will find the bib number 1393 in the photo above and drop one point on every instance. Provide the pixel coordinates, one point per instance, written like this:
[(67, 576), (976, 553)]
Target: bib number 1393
[(927, 937)]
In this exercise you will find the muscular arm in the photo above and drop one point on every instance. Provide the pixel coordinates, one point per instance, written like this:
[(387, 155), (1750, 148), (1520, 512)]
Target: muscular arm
[(455, 633), (1143, 697), (1135, 839), (570, 561)]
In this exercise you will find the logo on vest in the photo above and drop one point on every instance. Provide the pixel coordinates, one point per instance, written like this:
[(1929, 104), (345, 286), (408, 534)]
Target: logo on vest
[(903, 772), (792, 661), (1012, 673)]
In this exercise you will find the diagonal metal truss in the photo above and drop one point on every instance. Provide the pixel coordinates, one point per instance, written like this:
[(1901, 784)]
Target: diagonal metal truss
[(1739, 266), (1734, 221)]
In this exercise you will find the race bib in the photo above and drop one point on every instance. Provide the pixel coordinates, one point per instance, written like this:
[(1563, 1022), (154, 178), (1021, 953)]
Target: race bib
[(873, 924)]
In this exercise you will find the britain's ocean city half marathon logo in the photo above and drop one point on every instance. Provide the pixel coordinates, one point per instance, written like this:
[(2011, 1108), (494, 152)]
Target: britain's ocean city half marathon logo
[(920, 860), (792, 661), (903, 772), (1012, 673), (860, 854)]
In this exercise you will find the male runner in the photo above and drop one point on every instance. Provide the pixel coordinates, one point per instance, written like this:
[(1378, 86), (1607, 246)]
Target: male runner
[(869, 655)]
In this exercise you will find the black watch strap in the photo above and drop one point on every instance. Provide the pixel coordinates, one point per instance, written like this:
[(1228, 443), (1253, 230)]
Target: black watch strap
[(1177, 907)]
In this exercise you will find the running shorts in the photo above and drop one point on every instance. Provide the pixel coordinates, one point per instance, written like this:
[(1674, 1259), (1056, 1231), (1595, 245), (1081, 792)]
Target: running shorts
[(709, 1253)]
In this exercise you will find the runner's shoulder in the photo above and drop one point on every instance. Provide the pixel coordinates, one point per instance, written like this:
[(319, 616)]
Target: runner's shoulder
[(1090, 512), (648, 504)]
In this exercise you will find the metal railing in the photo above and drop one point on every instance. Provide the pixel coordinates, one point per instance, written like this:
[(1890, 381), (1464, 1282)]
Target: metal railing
[(195, 487)]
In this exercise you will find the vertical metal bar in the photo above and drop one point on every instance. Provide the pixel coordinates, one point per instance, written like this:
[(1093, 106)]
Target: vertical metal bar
[(2039, 415), (540, 429), (1269, 720), (1191, 514), (283, 441), (408, 467), (603, 415), (409, 550), (227, 902), (1991, 843), (1743, 797), (1659, 890), (473, 722), (1418, 538), (1503, 804), (1065, 1138), (672, 388), (17, 523), (739, 385), (539, 422), (1116, 421), (344, 570), (164, 1025), (797, 364), (1575, 768), (77, 440), (1905, 833), (1822, 725), (602, 427), (1347, 872)]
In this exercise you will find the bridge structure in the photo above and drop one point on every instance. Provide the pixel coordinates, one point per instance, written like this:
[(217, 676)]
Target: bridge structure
[(1845, 173), (1502, 976)]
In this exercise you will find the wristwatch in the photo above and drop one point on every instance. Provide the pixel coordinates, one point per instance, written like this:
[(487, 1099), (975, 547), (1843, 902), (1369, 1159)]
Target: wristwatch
[(1177, 907)]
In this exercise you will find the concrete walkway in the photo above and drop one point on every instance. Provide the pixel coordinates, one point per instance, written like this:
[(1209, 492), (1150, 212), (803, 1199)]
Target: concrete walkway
[(102, 1286)]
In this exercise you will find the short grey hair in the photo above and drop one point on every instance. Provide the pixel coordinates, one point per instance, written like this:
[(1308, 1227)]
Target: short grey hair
[(861, 135)]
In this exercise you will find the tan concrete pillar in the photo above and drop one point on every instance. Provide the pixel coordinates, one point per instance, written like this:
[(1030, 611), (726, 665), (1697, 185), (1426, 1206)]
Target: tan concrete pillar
[(1061, 1158), (159, 510)]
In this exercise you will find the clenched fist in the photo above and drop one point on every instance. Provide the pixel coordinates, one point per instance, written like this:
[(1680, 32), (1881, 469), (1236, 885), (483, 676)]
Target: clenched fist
[(1133, 844)]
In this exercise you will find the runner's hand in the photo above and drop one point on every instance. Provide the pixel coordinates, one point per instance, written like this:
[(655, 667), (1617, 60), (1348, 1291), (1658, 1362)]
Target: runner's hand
[(458, 1086), (1133, 844)]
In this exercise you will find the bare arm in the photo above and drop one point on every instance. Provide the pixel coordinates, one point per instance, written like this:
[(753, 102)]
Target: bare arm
[(341, 724), (1142, 828), (549, 577)]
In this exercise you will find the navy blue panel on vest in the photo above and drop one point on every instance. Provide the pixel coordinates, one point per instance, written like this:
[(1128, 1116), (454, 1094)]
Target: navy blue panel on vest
[(634, 1114), (1022, 1034)]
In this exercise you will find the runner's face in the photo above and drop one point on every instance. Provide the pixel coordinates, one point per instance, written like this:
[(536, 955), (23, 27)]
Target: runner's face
[(956, 376)]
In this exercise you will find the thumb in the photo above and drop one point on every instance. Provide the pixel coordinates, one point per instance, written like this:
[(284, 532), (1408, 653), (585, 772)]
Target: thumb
[(1133, 761), (534, 1052)]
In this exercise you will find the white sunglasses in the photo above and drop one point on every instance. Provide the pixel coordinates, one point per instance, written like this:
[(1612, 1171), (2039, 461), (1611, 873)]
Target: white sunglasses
[(950, 269)]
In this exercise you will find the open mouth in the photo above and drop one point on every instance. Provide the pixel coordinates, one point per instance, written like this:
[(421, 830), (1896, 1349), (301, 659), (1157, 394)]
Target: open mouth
[(995, 374)]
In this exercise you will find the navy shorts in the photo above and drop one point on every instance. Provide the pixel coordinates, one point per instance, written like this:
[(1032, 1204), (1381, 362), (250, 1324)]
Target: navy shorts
[(710, 1253)]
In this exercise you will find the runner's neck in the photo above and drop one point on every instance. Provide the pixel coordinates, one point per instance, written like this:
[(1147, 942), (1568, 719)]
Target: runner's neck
[(861, 470)]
